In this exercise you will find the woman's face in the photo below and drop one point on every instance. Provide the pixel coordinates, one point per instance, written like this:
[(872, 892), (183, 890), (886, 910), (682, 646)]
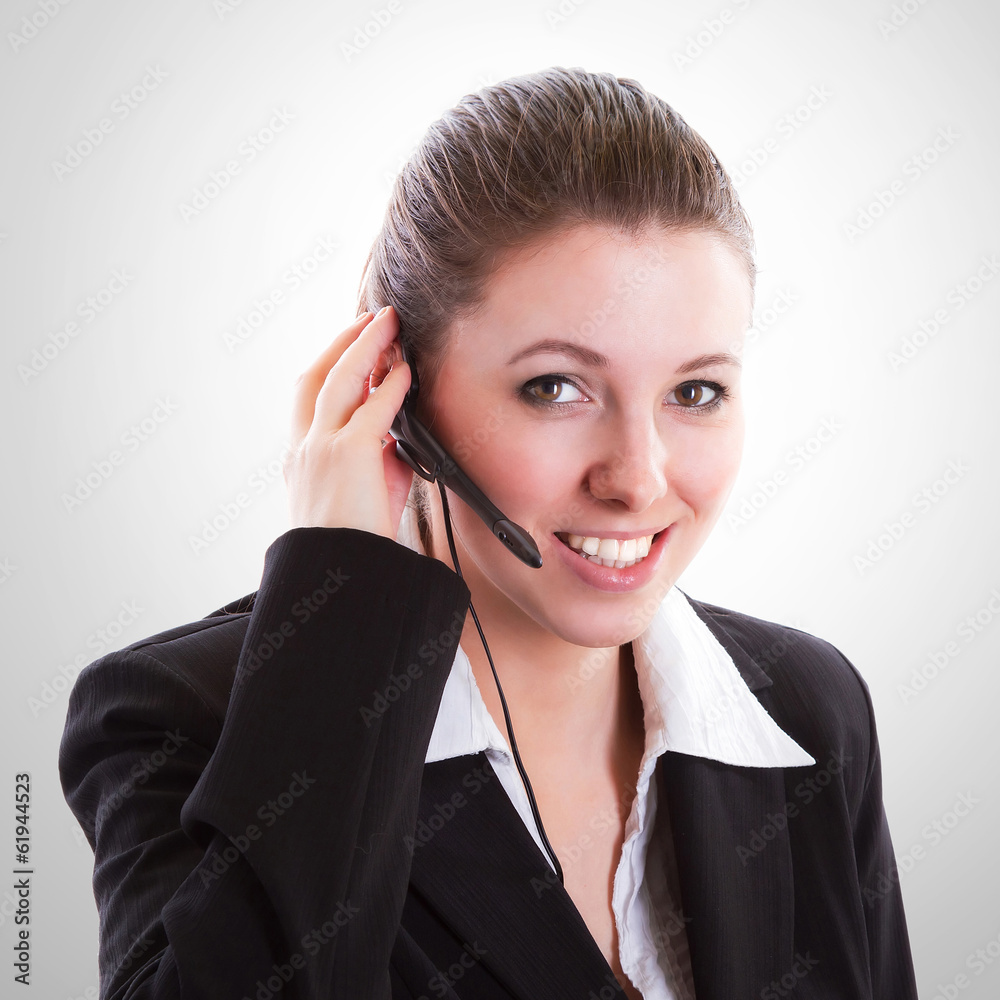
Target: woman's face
[(595, 400)]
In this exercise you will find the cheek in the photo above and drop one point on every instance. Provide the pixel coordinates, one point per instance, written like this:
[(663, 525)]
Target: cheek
[(534, 476), (522, 469), (703, 469)]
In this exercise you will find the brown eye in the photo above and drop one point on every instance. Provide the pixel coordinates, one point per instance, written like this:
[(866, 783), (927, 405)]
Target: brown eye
[(695, 395), (551, 389)]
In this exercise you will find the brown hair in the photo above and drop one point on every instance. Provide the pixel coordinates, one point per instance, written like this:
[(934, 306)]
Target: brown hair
[(530, 157)]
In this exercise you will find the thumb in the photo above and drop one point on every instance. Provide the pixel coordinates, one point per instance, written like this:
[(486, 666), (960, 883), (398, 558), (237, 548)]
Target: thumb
[(398, 481)]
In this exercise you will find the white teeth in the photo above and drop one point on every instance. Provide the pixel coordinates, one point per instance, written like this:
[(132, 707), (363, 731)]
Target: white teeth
[(618, 553), (608, 549)]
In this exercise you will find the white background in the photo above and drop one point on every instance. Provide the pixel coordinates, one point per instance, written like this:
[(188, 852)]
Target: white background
[(881, 95)]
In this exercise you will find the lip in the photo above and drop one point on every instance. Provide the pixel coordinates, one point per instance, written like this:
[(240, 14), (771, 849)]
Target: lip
[(607, 578)]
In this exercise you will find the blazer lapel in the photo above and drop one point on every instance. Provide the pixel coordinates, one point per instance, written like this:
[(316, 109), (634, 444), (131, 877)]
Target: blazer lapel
[(733, 855), (479, 869)]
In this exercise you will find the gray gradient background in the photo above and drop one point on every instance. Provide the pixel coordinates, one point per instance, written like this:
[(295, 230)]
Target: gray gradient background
[(826, 358)]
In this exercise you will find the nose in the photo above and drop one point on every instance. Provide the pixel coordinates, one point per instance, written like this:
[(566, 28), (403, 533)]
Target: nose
[(630, 467)]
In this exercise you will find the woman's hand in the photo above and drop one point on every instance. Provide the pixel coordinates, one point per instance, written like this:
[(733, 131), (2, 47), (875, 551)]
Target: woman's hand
[(338, 473)]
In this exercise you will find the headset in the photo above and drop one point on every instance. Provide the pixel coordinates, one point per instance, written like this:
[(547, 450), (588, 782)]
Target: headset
[(423, 453)]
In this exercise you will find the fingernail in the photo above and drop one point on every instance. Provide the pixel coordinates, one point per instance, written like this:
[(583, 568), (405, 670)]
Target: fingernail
[(381, 311)]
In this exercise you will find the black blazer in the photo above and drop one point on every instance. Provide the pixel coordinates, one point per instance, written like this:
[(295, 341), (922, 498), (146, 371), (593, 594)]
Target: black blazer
[(264, 825)]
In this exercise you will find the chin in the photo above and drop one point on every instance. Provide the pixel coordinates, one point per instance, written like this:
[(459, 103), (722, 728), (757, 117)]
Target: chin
[(601, 625)]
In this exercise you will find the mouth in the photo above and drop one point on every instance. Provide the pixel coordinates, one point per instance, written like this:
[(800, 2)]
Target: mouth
[(615, 553)]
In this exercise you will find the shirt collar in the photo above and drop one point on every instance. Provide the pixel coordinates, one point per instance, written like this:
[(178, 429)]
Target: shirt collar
[(694, 699)]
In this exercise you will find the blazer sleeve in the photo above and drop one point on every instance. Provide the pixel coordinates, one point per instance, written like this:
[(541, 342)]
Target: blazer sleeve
[(889, 952), (264, 854)]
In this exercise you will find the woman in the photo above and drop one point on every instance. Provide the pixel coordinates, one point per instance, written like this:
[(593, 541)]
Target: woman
[(695, 808)]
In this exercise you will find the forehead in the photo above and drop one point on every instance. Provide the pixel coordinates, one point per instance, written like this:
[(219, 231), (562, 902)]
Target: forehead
[(607, 291)]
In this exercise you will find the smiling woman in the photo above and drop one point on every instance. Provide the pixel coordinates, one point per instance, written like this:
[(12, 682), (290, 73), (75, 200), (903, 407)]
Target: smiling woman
[(693, 805)]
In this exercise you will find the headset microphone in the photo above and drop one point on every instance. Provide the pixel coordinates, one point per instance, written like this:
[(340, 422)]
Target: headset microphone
[(423, 453)]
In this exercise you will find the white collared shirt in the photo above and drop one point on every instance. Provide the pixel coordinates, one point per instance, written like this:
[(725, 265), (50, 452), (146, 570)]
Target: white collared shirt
[(695, 702)]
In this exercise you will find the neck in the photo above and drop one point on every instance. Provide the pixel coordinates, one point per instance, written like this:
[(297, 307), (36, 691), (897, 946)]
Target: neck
[(571, 706)]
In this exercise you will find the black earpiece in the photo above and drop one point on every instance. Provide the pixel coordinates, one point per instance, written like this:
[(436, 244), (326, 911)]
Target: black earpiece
[(423, 453)]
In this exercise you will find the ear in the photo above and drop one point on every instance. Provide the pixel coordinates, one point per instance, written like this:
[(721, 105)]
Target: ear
[(385, 361)]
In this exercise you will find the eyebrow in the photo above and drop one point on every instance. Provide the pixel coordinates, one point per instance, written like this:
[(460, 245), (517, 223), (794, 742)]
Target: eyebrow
[(596, 360)]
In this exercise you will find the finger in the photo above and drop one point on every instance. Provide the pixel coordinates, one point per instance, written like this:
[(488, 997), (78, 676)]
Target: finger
[(345, 387), (311, 380)]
